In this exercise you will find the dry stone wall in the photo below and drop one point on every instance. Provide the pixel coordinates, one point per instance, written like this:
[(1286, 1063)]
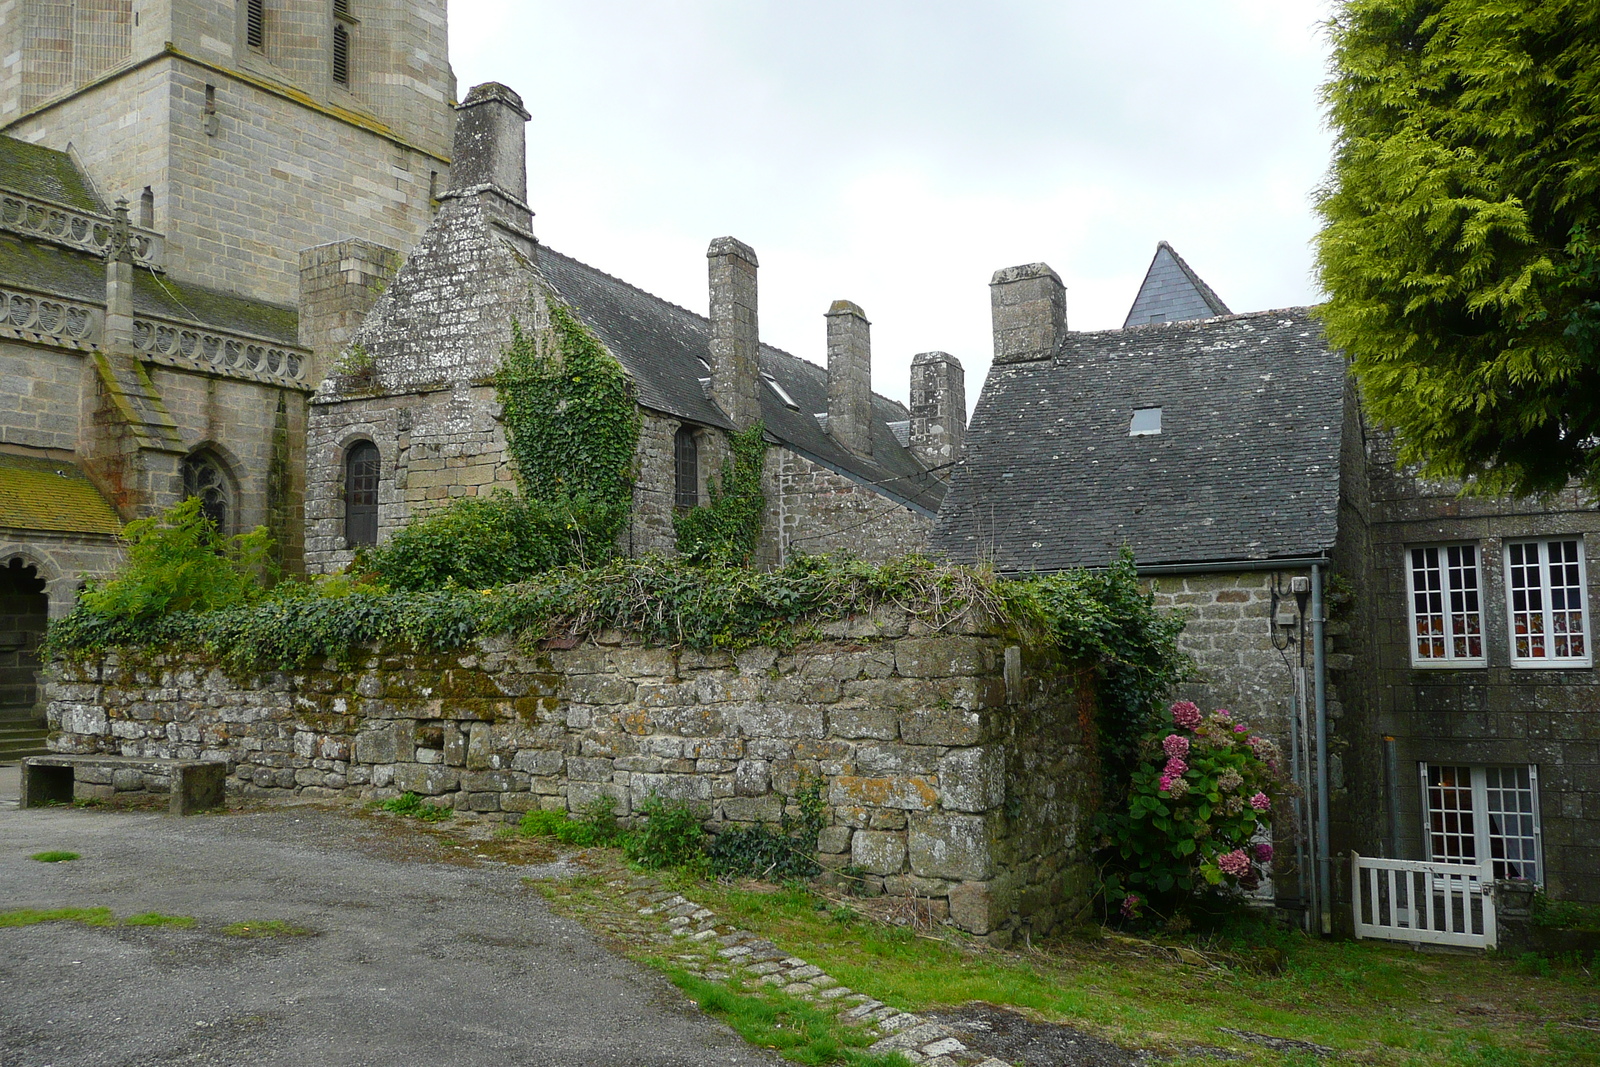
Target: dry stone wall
[(957, 767)]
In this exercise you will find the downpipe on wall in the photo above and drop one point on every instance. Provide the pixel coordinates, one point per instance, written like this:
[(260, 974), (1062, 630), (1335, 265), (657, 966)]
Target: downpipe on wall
[(1319, 667)]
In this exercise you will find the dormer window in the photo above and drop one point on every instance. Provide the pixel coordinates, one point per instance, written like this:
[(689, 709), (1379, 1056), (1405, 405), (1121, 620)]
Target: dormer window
[(1146, 422)]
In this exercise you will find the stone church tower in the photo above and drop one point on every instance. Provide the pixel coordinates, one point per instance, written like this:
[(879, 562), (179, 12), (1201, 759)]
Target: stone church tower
[(179, 180), (243, 130)]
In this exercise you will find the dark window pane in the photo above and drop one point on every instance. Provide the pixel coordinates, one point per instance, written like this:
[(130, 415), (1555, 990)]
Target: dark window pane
[(361, 494), (686, 454), (203, 478)]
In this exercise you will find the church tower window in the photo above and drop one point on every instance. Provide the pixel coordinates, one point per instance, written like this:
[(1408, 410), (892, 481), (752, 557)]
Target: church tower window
[(341, 55), (255, 23)]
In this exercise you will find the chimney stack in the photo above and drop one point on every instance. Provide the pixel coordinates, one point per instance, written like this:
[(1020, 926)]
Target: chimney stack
[(1029, 308), (339, 284), (735, 331), (489, 161), (938, 410), (850, 377)]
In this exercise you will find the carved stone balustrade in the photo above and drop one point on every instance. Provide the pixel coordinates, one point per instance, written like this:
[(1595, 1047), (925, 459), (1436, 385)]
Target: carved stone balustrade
[(84, 231)]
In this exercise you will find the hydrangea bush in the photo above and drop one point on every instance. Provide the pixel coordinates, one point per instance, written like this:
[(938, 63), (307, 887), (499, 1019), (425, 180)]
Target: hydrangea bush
[(1198, 803)]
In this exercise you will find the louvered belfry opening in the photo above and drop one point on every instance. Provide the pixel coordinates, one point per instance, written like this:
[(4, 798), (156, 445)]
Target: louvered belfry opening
[(686, 460), (255, 23), (341, 54), (361, 465)]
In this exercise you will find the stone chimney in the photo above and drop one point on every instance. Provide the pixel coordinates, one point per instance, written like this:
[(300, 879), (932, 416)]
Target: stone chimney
[(339, 284), (118, 331), (850, 377), (735, 331), (489, 162), (938, 410), (1029, 308)]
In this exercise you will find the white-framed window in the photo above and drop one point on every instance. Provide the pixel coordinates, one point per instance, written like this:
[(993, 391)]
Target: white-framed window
[(1446, 593), (1547, 601), (1483, 814)]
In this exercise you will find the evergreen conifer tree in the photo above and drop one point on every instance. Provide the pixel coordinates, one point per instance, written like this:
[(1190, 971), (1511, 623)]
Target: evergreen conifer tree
[(1461, 245)]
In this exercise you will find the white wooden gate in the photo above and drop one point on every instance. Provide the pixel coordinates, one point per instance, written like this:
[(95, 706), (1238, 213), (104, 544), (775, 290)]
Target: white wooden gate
[(1432, 903)]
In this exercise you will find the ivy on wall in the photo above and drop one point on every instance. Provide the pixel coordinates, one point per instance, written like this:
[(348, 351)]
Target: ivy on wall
[(726, 531), (572, 429), (572, 426)]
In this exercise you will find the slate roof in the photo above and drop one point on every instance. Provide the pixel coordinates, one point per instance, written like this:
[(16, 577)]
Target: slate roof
[(45, 173), (663, 345), (49, 494), (44, 267), (1172, 292), (1246, 466)]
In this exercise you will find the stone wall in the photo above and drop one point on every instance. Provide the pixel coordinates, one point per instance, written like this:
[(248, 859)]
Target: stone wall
[(41, 396), (63, 560), (955, 766), (812, 510)]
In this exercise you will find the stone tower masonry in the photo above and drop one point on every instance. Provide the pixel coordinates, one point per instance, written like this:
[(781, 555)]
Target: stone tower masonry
[(850, 377), (1029, 308), (241, 142), (938, 410), (735, 330)]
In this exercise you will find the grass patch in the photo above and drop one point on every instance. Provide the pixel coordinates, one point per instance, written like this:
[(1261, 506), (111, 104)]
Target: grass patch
[(769, 1018), (413, 806), (155, 918), (89, 917), (1382, 1001), (54, 857), (266, 928)]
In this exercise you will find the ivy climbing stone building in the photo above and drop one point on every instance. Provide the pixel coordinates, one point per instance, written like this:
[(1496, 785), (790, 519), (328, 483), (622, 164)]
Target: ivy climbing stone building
[(409, 417)]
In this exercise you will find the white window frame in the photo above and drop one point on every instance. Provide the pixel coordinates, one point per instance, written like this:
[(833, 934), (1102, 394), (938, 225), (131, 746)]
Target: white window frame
[(1450, 661), (1545, 611), (1483, 838)]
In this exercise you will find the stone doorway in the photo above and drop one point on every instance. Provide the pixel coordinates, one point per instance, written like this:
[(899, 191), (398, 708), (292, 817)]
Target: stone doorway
[(24, 612)]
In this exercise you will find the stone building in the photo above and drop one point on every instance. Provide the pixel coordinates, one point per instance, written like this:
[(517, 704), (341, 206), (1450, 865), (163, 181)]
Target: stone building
[(1231, 454), (163, 165), (413, 421)]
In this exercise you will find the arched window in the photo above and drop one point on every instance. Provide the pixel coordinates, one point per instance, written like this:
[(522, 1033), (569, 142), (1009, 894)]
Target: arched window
[(686, 462), (361, 494), (204, 477)]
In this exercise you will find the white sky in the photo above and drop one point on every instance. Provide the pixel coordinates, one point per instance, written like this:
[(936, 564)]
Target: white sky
[(897, 152)]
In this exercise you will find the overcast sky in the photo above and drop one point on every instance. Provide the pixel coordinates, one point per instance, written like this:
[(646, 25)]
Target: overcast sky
[(897, 153)]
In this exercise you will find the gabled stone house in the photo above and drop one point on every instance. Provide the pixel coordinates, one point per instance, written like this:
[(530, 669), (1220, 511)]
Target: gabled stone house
[(1231, 454), (417, 424)]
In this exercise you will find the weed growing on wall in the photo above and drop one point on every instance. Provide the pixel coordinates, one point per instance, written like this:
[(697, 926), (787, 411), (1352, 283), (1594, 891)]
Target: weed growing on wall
[(725, 531), (179, 562)]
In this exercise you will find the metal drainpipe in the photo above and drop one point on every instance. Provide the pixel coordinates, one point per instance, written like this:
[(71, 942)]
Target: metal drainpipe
[(1319, 673)]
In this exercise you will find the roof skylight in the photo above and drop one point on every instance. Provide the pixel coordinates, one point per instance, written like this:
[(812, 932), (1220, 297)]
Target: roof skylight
[(783, 394), (1146, 422)]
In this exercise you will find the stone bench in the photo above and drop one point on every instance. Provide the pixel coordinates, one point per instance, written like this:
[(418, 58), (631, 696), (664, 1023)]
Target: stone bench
[(194, 785)]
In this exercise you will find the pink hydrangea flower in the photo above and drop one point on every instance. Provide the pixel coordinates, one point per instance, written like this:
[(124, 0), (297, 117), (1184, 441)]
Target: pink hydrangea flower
[(1176, 745), (1130, 906), (1186, 713), (1240, 729), (1222, 715), (1261, 802), (1235, 863), (1253, 741), (1263, 852), (1175, 767)]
